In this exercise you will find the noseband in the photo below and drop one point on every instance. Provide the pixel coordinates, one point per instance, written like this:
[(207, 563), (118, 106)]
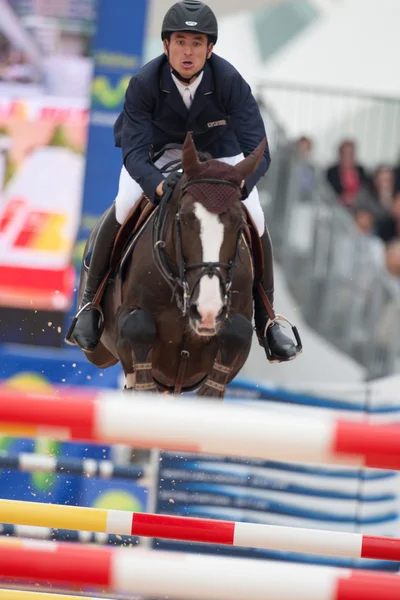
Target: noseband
[(179, 285)]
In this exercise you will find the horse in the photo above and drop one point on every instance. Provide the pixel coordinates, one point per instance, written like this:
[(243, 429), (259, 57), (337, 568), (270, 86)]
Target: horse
[(178, 315)]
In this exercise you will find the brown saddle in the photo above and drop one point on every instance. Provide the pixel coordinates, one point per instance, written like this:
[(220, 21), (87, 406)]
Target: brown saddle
[(132, 224), (138, 216)]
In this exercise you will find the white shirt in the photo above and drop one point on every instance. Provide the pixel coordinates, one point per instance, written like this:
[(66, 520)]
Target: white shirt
[(188, 91)]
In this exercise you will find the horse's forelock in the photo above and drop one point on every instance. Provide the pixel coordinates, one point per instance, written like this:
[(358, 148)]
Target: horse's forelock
[(215, 169), (215, 198)]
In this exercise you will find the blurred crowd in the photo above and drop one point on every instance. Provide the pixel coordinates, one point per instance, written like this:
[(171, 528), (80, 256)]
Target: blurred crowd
[(15, 66), (372, 198)]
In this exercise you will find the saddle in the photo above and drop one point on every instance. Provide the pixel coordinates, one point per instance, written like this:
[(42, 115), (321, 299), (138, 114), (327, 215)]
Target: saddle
[(137, 218)]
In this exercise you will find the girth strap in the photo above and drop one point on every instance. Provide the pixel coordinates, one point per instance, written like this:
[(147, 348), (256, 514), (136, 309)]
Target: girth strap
[(183, 363)]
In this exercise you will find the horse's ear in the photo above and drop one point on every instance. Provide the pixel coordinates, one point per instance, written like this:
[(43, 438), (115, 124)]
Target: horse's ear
[(190, 160), (247, 166)]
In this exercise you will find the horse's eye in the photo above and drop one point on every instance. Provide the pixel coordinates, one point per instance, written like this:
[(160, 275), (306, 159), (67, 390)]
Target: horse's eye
[(187, 219)]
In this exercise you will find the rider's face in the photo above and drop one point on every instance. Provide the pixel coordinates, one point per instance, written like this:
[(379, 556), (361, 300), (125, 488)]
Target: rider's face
[(188, 52)]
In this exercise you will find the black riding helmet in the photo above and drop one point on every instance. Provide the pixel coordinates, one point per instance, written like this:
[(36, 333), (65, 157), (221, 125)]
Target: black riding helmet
[(193, 16)]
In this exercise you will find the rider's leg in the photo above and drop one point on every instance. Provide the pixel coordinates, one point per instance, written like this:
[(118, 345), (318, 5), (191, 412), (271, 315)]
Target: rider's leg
[(281, 347), (88, 327), (129, 194)]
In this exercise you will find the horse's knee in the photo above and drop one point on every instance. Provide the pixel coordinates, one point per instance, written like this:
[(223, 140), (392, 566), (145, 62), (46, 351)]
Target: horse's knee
[(137, 327), (237, 331), (235, 340)]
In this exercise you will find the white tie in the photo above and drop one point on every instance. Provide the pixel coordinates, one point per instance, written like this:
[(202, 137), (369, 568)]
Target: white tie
[(187, 97)]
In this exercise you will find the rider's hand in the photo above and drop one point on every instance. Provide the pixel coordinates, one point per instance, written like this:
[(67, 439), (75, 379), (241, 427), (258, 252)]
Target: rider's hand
[(159, 190), (172, 179), (168, 183)]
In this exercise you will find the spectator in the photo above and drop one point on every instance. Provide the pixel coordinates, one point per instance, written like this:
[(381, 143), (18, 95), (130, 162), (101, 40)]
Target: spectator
[(397, 179), (393, 259), (347, 177), (364, 219), (383, 187), (306, 171), (388, 225), (304, 147)]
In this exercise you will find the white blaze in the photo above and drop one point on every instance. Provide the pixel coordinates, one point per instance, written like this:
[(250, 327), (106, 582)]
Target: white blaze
[(209, 302)]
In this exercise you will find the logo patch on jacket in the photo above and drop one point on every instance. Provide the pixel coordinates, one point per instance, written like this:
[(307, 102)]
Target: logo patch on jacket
[(216, 123)]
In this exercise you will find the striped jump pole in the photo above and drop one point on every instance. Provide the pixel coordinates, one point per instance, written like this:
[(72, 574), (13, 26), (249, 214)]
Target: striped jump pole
[(189, 576), (230, 533), (32, 463), (206, 426), (66, 535), (26, 595)]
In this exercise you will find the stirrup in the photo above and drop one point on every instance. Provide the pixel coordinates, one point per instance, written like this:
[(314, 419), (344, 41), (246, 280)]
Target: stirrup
[(299, 345), (70, 331)]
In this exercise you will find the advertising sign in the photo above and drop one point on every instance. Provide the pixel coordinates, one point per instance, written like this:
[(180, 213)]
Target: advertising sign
[(118, 51), (40, 199)]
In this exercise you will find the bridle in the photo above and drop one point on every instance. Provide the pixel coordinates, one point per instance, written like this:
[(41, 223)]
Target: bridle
[(175, 275)]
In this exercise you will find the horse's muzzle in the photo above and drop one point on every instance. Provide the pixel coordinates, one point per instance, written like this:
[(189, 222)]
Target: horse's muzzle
[(208, 324)]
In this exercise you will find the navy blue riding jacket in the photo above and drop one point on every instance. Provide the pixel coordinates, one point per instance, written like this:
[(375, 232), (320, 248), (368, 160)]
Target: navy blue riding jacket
[(224, 119)]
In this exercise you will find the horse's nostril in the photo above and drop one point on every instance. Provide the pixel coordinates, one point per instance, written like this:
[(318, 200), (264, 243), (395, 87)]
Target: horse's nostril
[(194, 313)]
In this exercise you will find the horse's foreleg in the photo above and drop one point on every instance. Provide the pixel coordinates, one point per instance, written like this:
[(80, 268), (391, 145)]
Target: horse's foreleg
[(137, 332), (234, 341)]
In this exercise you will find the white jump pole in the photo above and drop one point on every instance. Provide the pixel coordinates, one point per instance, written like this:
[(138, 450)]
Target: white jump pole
[(203, 426), (192, 577), (26, 595)]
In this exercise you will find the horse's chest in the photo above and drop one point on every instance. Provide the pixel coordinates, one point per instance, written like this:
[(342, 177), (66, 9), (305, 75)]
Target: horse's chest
[(170, 328)]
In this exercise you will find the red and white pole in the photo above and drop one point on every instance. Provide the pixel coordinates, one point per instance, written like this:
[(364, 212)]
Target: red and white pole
[(209, 531), (201, 426), (176, 575)]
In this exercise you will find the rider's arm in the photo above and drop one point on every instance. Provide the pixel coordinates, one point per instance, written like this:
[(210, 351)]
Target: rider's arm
[(136, 140), (246, 121)]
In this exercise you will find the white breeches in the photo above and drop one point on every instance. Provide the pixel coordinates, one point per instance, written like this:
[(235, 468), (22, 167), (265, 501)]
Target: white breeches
[(130, 192)]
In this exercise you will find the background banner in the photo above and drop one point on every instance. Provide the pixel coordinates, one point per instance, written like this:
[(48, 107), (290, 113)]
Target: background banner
[(41, 182), (118, 54)]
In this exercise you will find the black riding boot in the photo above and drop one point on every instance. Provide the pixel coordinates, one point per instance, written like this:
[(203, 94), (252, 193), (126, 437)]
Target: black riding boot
[(89, 324), (280, 347)]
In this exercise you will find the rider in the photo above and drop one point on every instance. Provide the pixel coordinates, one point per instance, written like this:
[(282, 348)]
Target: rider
[(188, 88)]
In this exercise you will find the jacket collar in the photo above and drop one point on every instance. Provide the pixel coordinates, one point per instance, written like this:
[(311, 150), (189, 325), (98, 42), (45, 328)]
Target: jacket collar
[(174, 99)]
